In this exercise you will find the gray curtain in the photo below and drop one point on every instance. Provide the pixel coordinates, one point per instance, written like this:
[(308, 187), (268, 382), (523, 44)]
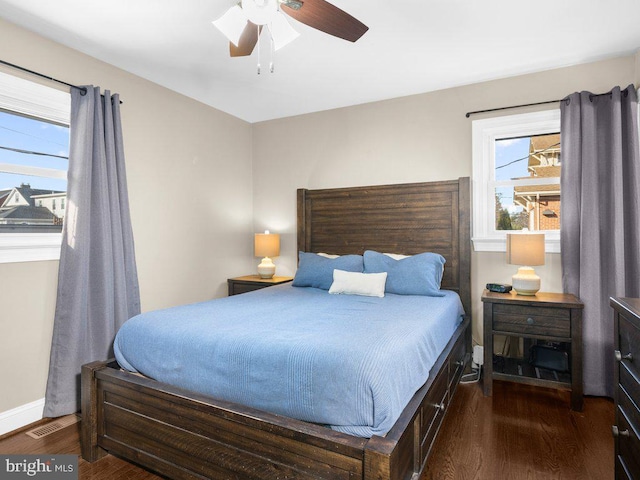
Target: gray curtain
[(600, 217), (97, 280)]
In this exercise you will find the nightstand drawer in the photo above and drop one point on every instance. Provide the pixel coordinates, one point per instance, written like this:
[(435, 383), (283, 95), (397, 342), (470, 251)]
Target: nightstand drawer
[(239, 288), (249, 283), (629, 344), (545, 321)]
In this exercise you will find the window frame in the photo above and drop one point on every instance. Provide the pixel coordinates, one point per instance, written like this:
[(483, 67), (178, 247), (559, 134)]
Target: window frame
[(485, 132), (24, 97)]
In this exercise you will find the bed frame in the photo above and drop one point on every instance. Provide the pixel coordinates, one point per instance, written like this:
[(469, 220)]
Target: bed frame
[(180, 434)]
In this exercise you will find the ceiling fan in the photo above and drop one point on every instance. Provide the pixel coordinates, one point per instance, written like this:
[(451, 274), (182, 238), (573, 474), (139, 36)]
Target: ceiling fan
[(243, 23)]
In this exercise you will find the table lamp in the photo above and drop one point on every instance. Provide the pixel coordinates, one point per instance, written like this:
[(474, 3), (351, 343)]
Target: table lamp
[(525, 249), (266, 245)]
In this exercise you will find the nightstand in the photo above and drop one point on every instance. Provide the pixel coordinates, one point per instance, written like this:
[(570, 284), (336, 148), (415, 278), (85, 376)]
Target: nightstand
[(249, 283), (545, 318)]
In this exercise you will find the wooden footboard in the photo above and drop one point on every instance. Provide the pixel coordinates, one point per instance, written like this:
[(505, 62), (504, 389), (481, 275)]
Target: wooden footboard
[(180, 434)]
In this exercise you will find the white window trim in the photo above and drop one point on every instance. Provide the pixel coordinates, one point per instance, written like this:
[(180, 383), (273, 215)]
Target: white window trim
[(484, 134), (38, 101)]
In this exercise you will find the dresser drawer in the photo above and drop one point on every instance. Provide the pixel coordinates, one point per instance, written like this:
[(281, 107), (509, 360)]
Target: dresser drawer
[(628, 443), (629, 343), (543, 321), (622, 472), (629, 382)]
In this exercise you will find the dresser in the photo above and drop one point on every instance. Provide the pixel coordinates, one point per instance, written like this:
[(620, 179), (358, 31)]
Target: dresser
[(541, 319), (626, 430)]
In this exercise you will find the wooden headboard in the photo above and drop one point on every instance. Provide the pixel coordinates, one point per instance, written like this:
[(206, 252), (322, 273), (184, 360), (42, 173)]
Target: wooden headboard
[(406, 218)]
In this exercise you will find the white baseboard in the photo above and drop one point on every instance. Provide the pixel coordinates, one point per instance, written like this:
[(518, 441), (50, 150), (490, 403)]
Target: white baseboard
[(20, 416)]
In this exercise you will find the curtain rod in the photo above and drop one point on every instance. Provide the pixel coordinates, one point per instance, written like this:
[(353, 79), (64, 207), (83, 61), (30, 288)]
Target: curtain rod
[(591, 96), (513, 106), (83, 90)]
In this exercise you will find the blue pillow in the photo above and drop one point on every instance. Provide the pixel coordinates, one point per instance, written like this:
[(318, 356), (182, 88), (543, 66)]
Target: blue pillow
[(317, 271), (415, 275)]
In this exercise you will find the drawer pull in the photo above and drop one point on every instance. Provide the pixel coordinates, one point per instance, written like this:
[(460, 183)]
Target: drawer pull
[(530, 321), (619, 433), (620, 357), (441, 407)]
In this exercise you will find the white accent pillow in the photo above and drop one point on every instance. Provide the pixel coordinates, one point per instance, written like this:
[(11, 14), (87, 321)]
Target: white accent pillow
[(327, 255), (355, 283), (396, 256)]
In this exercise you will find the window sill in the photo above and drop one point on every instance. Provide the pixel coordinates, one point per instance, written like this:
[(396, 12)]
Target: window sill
[(29, 247), (499, 244)]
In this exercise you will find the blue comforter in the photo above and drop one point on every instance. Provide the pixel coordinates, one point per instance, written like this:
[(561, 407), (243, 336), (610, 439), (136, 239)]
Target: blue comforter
[(346, 361)]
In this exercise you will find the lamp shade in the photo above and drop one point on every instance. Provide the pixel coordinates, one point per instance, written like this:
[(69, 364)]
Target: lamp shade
[(267, 244), (525, 248)]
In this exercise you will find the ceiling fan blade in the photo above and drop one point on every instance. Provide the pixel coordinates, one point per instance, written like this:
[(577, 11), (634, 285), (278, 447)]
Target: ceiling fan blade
[(247, 41), (327, 18)]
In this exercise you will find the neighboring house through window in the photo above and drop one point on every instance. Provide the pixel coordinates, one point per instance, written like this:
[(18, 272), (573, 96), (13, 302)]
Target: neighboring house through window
[(516, 178), (34, 149)]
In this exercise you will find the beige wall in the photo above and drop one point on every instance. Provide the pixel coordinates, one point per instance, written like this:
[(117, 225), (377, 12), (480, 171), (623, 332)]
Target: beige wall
[(418, 138), (27, 304), (190, 186)]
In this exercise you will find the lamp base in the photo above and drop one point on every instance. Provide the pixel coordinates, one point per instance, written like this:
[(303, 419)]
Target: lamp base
[(526, 282), (267, 268)]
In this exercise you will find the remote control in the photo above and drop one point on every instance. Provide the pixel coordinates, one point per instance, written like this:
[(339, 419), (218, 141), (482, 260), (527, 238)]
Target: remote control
[(498, 287)]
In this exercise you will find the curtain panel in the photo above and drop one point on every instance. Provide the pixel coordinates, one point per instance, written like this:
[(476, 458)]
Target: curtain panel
[(600, 217), (97, 280)]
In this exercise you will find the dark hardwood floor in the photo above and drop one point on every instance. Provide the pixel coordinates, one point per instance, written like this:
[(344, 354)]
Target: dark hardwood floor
[(522, 432), (67, 441)]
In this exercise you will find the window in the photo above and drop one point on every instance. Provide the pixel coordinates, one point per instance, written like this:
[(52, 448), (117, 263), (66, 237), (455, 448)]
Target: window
[(34, 146), (516, 178)]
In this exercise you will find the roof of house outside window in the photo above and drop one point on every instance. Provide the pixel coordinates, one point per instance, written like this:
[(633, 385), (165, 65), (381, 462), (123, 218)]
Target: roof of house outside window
[(26, 212)]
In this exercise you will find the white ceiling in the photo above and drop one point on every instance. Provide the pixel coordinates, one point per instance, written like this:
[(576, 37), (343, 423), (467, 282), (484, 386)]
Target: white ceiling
[(412, 46)]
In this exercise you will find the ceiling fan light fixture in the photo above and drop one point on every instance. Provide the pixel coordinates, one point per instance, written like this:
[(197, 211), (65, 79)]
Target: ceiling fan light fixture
[(260, 12), (293, 4), (281, 31), (232, 24)]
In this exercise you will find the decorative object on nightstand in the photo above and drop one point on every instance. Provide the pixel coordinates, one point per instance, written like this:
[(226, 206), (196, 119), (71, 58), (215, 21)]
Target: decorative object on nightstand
[(543, 320), (525, 249), (266, 245), (626, 388), (249, 283)]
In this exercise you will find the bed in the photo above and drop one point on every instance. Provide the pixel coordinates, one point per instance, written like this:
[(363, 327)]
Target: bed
[(181, 434)]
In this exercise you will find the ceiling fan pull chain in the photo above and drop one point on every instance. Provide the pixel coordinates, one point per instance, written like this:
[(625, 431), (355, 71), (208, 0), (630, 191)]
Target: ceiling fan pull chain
[(258, 27), (272, 54)]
